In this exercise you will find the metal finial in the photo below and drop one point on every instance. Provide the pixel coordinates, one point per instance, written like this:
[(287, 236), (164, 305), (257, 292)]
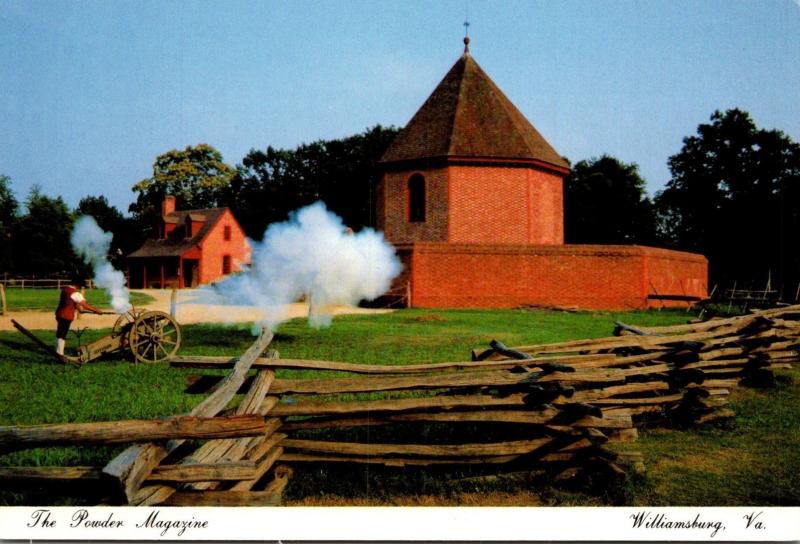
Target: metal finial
[(466, 36)]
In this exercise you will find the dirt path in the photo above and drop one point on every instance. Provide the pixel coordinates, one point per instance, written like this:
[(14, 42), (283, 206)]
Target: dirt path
[(186, 313)]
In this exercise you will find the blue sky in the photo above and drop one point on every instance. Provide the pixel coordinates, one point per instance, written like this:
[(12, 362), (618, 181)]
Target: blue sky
[(92, 91)]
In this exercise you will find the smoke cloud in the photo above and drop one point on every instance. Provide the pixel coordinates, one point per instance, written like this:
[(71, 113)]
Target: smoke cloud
[(92, 243), (314, 255)]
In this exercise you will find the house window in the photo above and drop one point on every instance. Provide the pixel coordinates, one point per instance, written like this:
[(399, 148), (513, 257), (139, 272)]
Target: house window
[(416, 199), (226, 264), (226, 233)]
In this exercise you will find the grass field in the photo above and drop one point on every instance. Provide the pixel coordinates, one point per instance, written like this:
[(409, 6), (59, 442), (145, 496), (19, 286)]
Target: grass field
[(752, 461), (47, 299)]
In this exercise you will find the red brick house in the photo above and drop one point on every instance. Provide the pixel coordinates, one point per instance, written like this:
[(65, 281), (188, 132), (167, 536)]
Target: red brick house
[(193, 247), (472, 197)]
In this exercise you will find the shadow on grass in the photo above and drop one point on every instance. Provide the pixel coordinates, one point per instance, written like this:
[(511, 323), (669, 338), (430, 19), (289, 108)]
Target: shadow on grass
[(23, 346)]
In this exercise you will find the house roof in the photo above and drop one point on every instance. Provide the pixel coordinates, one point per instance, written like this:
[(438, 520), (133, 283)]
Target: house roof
[(468, 116), (176, 244)]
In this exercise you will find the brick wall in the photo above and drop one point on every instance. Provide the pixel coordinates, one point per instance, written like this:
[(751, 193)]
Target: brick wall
[(215, 247), (400, 288), (546, 208), (674, 273), (591, 277), (475, 204), (488, 205), (505, 205), (393, 201)]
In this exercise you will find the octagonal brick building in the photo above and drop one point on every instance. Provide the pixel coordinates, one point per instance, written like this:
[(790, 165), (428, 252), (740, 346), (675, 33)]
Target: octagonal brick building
[(472, 197)]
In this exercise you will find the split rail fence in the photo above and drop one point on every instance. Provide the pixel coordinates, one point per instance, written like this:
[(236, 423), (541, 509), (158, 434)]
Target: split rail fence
[(548, 407)]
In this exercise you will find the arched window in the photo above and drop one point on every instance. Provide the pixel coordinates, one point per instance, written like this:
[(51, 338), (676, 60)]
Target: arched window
[(416, 199)]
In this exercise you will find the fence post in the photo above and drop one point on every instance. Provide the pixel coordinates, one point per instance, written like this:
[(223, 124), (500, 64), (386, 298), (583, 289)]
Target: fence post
[(173, 304), (3, 309)]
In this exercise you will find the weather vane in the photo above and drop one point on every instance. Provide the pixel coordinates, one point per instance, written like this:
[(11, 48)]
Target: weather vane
[(466, 35)]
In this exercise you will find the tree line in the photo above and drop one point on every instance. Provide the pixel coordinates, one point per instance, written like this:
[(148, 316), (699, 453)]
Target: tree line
[(733, 195)]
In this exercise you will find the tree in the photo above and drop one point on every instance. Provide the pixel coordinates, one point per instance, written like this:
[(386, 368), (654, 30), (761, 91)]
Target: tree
[(43, 245), (8, 223), (197, 177), (265, 188), (605, 203), (734, 196), (342, 173)]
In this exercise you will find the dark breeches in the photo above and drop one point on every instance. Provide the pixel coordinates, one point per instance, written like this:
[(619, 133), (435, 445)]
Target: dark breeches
[(63, 328)]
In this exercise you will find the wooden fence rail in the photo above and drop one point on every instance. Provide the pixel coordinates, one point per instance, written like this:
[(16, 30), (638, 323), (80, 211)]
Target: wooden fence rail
[(131, 431), (39, 283), (552, 408)]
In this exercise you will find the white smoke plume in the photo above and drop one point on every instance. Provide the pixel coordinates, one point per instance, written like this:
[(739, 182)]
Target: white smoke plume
[(92, 243), (314, 255)]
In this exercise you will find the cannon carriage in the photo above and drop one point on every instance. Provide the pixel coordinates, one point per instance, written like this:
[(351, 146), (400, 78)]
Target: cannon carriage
[(149, 336)]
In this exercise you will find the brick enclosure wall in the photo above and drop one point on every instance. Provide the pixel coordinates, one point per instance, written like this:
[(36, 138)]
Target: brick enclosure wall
[(214, 247), (475, 204), (675, 273), (587, 276)]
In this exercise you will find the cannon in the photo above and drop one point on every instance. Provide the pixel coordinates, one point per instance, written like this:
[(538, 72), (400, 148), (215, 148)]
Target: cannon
[(150, 336)]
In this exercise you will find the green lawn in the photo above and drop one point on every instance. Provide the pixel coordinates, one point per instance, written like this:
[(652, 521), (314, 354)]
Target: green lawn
[(755, 461), (47, 299)]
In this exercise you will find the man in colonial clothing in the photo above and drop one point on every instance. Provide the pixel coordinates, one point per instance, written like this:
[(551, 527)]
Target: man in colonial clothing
[(71, 301)]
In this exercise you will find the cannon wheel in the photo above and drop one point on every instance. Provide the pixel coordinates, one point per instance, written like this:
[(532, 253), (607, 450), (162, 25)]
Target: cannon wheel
[(154, 337), (122, 327)]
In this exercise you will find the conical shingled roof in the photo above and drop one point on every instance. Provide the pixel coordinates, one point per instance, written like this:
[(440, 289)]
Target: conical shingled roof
[(468, 116)]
